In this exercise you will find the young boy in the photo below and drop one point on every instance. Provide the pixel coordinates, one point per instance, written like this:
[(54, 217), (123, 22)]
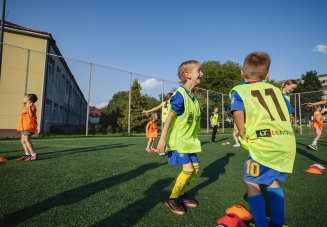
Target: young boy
[(261, 114), (214, 123), (180, 134), (28, 126)]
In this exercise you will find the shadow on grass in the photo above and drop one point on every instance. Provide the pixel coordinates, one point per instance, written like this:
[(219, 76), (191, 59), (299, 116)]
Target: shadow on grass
[(309, 155), (43, 156), (217, 141), (74, 195), (212, 172), (132, 213), (22, 150)]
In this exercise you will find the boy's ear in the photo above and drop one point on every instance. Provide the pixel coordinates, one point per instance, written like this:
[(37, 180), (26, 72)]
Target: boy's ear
[(187, 74), (267, 76), (242, 73)]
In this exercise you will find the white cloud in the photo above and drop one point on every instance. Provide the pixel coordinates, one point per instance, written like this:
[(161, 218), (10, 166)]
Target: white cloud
[(151, 84), (101, 105), (321, 48)]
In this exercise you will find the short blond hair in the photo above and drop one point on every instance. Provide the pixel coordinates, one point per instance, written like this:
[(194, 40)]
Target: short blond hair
[(185, 67), (256, 65)]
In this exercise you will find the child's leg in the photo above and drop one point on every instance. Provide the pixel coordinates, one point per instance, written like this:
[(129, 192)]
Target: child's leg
[(214, 132), (257, 204), (235, 136), (195, 171), (276, 198), (22, 140), (29, 145), (316, 139), (181, 180), (152, 142), (148, 146)]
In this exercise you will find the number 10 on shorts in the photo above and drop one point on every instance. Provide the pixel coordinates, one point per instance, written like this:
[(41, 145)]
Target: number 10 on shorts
[(252, 168)]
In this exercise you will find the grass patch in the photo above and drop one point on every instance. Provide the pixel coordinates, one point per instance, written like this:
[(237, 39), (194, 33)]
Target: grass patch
[(106, 181)]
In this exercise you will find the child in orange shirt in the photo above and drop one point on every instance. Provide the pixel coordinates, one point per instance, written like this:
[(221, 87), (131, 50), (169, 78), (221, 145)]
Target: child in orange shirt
[(317, 124), (28, 126), (151, 130)]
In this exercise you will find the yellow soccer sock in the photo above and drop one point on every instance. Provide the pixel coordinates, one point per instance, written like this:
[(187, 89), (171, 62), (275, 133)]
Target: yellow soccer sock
[(195, 171), (180, 183)]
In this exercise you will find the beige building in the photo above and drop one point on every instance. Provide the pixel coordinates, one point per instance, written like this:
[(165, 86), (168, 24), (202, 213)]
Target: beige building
[(26, 68)]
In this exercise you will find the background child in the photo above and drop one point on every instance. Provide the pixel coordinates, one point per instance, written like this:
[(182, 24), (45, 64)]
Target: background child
[(317, 124), (151, 130), (287, 88), (268, 136), (214, 123), (164, 106), (28, 126), (180, 133)]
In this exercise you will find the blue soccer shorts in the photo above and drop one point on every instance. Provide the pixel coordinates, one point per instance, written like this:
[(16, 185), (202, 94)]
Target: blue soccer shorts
[(175, 158), (256, 173)]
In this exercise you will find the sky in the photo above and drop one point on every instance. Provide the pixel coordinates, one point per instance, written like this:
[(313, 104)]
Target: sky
[(153, 37)]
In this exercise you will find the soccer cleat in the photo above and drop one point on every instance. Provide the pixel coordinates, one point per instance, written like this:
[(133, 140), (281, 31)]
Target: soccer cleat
[(188, 202), (313, 147), (31, 158), (22, 158), (175, 206), (162, 154), (236, 145), (149, 150)]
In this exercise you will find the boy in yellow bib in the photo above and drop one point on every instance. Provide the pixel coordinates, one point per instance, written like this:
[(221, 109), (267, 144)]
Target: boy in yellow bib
[(261, 114), (180, 134)]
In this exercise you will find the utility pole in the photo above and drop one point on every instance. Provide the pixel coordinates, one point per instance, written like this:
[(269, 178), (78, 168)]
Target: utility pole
[(2, 31)]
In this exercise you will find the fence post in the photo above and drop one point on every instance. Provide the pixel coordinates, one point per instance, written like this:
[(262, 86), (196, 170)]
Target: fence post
[(300, 115), (295, 109), (129, 103), (27, 70), (162, 100), (207, 111), (222, 113), (88, 103)]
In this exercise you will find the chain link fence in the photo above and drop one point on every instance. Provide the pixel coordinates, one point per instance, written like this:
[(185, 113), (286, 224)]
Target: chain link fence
[(78, 97), (303, 115)]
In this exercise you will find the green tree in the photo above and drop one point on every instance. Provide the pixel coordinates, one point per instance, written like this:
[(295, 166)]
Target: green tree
[(138, 120), (115, 110), (220, 77)]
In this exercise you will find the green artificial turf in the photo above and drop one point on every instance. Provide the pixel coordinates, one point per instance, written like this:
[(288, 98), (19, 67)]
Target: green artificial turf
[(105, 181)]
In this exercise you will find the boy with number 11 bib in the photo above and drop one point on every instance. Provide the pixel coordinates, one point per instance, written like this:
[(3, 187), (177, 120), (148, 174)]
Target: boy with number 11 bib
[(261, 114)]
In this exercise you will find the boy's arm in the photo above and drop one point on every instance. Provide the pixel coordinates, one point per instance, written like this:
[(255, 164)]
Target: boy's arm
[(162, 142), (31, 110), (239, 121), (153, 109), (309, 104)]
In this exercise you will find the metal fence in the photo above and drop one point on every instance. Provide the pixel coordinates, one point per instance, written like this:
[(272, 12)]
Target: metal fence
[(68, 89), (303, 115)]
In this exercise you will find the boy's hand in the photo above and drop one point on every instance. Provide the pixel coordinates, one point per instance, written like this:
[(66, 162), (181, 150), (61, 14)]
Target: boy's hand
[(161, 146), (243, 136)]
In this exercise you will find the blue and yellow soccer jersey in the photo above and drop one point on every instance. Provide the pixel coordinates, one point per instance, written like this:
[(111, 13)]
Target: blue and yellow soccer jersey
[(237, 102), (270, 137)]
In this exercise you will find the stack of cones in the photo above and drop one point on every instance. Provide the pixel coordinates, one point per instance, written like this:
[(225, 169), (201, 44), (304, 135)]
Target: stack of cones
[(225, 143), (235, 216), (315, 169)]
